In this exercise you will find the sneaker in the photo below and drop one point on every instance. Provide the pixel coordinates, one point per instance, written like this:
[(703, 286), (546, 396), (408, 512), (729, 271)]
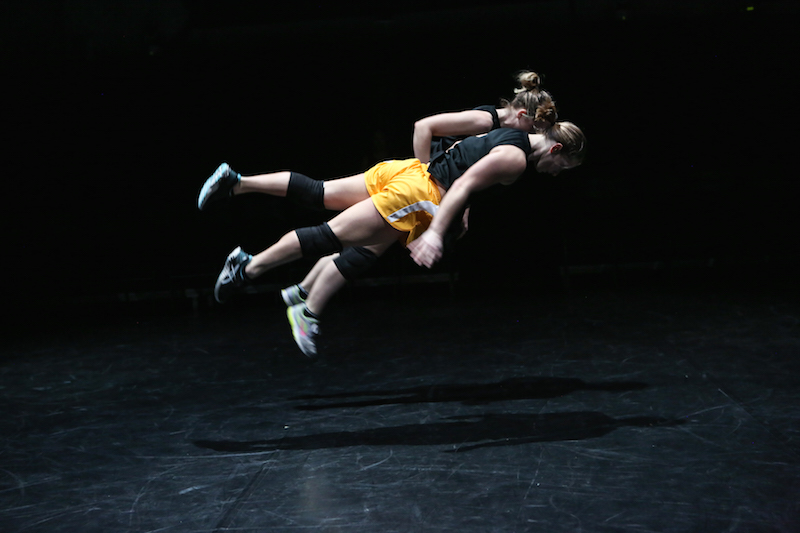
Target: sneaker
[(218, 186), (232, 278), (304, 329), (293, 295)]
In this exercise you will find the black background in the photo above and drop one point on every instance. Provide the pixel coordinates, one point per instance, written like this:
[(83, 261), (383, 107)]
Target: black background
[(114, 115)]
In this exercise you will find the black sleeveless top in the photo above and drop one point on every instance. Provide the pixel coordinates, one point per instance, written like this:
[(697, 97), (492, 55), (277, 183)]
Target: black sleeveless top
[(439, 143), (448, 163), (492, 110)]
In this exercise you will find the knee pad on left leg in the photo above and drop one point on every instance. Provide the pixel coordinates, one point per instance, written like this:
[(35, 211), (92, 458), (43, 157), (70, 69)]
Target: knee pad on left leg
[(306, 192), (317, 241), (354, 261)]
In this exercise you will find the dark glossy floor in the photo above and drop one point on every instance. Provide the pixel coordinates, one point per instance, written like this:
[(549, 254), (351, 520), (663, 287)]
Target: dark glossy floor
[(625, 408)]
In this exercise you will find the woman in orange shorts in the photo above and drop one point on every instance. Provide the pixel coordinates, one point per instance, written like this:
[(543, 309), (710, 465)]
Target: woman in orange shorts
[(400, 200), (531, 109)]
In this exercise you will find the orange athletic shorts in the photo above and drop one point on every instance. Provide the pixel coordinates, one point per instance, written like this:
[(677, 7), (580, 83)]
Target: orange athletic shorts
[(404, 194)]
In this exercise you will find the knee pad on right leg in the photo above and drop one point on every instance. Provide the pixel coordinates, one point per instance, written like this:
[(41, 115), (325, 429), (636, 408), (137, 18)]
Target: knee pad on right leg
[(354, 261), (306, 191), (317, 241)]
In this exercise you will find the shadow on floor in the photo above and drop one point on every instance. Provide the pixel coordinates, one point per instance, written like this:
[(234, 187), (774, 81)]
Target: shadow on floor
[(527, 388), (486, 430)]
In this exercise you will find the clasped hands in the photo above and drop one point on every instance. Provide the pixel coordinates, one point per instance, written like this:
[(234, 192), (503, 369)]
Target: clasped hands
[(427, 249)]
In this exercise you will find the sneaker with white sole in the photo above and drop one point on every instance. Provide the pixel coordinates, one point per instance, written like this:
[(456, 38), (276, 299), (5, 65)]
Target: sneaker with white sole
[(305, 329), (220, 185), (232, 278), (293, 295)]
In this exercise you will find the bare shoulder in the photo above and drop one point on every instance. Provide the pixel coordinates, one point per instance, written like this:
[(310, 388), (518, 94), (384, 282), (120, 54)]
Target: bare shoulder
[(513, 157), (509, 162)]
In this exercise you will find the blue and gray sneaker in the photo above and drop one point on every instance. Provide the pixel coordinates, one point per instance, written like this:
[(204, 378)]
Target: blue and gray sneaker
[(305, 329), (232, 278), (220, 185), (294, 295)]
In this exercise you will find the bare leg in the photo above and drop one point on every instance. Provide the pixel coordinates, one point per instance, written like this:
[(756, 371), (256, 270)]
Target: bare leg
[(275, 183), (328, 283), (362, 225), (359, 225), (313, 274), (286, 250), (340, 193), (328, 280)]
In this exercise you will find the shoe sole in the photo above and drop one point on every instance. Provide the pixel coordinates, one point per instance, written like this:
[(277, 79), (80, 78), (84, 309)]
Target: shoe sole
[(297, 338), (288, 300), (209, 189), (222, 275)]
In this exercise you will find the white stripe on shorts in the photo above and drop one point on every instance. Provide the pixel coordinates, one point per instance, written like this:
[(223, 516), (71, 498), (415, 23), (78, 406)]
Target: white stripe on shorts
[(428, 206)]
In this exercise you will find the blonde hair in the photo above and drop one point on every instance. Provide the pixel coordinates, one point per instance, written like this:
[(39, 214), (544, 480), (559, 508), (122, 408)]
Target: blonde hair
[(537, 103), (571, 137)]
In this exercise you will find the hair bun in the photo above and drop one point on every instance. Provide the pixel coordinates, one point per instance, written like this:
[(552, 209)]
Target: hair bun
[(529, 80)]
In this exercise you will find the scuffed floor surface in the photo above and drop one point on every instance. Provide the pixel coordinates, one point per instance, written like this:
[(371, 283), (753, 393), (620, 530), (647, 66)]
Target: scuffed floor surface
[(598, 411)]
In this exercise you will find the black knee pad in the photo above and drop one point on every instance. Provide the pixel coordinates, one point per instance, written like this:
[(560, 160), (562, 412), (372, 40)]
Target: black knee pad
[(306, 192), (354, 261), (317, 241)]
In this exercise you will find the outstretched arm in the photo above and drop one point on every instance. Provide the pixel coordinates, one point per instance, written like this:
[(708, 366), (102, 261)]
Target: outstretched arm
[(465, 123), (502, 165)]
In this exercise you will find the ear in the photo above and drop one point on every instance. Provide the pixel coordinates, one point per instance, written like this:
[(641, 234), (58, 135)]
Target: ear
[(556, 148)]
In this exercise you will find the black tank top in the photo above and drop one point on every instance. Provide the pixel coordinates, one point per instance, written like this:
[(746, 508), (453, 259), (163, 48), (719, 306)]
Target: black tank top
[(439, 143), (492, 110), (449, 163)]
